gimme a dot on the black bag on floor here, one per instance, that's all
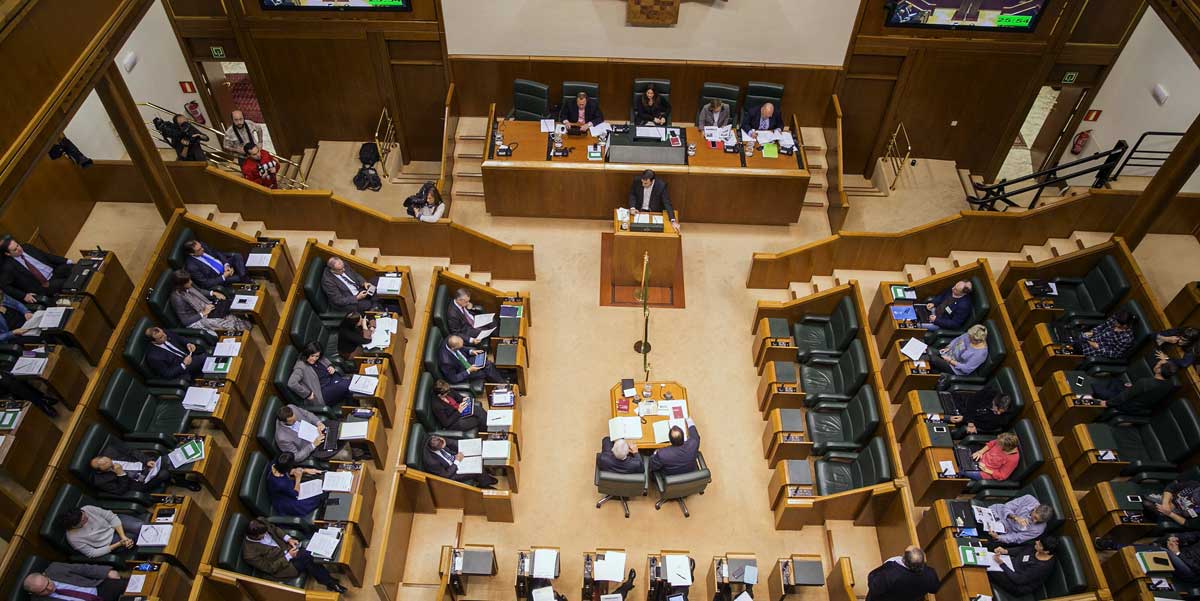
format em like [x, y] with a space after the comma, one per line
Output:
[367, 179]
[368, 154]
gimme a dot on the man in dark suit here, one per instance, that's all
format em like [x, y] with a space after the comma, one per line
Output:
[902, 578]
[75, 579]
[647, 193]
[441, 458]
[761, 117]
[346, 290]
[211, 269]
[170, 356]
[271, 551]
[112, 470]
[460, 318]
[619, 456]
[31, 275]
[680, 457]
[584, 112]
[457, 368]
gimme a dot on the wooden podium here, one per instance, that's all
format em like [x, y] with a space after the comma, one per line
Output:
[623, 253]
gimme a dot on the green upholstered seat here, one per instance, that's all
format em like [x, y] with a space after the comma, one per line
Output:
[571, 88]
[531, 100]
[662, 87]
[252, 491]
[827, 378]
[1093, 295]
[433, 342]
[70, 496]
[94, 440]
[726, 93]
[839, 471]
[836, 426]
[1162, 443]
[229, 549]
[826, 334]
[138, 413]
[437, 313]
[176, 255]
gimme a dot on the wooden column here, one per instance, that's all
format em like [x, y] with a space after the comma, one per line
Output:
[1163, 187]
[122, 110]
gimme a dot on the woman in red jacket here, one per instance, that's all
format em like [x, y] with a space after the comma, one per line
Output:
[997, 459]
[259, 166]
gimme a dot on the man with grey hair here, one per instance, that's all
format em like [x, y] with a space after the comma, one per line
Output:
[1024, 519]
[620, 456]
[346, 289]
[74, 581]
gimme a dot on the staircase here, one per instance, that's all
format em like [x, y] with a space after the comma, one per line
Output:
[299, 167]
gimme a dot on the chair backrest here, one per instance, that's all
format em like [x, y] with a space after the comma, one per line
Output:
[979, 303]
[229, 548]
[433, 343]
[31, 564]
[678, 486]
[283, 369]
[1068, 576]
[1032, 455]
[1141, 326]
[724, 92]
[265, 430]
[176, 255]
[423, 402]
[1173, 432]
[861, 415]
[618, 484]
[68, 497]
[136, 345]
[996, 351]
[252, 490]
[306, 326]
[852, 368]
[311, 282]
[571, 88]
[531, 100]
[159, 299]
[872, 465]
[94, 439]
[1006, 379]
[414, 447]
[1043, 489]
[844, 323]
[662, 87]
[125, 400]
[1106, 283]
[760, 92]
[437, 313]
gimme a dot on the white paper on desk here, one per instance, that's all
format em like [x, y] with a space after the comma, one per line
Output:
[227, 348]
[611, 597]
[662, 432]
[29, 366]
[53, 317]
[500, 417]
[178, 457]
[363, 384]
[322, 544]
[495, 449]
[744, 597]
[387, 324]
[786, 140]
[388, 284]
[651, 132]
[679, 570]
[341, 481]
[913, 349]
[546, 126]
[258, 259]
[471, 465]
[308, 432]
[713, 134]
[544, 563]
[670, 405]
[766, 136]
[201, 398]
[154, 535]
[599, 129]
[625, 427]
[546, 593]
[470, 447]
[130, 466]
[485, 333]
[1053, 288]
[483, 319]
[611, 568]
[310, 489]
[135, 584]
[750, 575]
[380, 339]
[946, 468]
[353, 430]
[244, 302]
[993, 561]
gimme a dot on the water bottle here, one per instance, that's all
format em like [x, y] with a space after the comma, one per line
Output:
[646, 391]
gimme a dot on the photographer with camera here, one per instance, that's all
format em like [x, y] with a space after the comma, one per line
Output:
[181, 135]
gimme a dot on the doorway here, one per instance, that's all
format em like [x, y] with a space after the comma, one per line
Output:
[230, 88]
[1042, 137]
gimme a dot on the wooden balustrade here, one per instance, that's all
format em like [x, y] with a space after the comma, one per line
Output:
[835, 184]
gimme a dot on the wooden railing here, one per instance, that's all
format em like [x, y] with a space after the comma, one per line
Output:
[450, 126]
[985, 231]
[117, 181]
[835, 179]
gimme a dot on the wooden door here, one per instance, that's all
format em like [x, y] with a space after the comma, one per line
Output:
[219, 90]
[1048, 146]
[864, 103]
[421, 94]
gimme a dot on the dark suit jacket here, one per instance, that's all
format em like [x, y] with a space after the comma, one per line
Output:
[609, 462]
[1027, 574]
[960, 310]
[1142, 397]
[77, 574]
[754, 113]
[267, 559]
[677, 460]
[203, 275]
[110, 482]
[437, 466]
[894, 582]
[451, 419]
[15, 278]
[660, 199]
[337, 293]
[456, 322]
[645, 114]
[164, 363]
[591, 112]
[450, 366]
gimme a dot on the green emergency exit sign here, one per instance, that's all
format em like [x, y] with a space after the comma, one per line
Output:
[1013, 20]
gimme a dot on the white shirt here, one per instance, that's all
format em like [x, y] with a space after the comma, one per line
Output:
[45, 270]
[345, 279]
[62, 586]
[646, 197]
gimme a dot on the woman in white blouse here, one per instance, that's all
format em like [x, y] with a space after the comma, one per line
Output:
[426, 205]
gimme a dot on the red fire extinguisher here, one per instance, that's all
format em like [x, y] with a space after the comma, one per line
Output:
[1081, 140]
[193, 111]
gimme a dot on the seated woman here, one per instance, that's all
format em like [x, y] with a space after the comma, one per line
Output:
[964, 354]
[426, 205]
[997, 459]
[198, 308]
[283, 487]
[316, 380]
[455, 410]
[354, 332]
[651, 109]
[13, 316]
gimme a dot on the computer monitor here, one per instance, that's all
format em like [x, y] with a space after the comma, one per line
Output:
[993, 15]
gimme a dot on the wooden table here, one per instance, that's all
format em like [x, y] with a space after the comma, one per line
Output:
[901, 374]
[245, 369]
[530, 184]
[726, 572]
[1127, 579]
[263, 314]
[658, 388]
[279, 268]
[1065, 407]
[394, 351]
[591, 587]
[349, 559]
[62, 377]
[384, 397]
[792, 479]
[376, 441]
[36, 437]
[230, 413]
[630, 247]
[655, 583]
[1184, 309]
[1027, 310]
[785, 435]
[926, 479]
[511, 328]
[212, 471]
[1081, 454]
[1046, 355]
[405, 299]
[887, 329]
[164, 583]
[779, 387]
[914, 408]
[773, 341]
[513, 354]
[85, 328]
[923, 435]
[188, 537]
[109, 285]
[1110, 512]
[789, 575]
[356, 507]
[508, 467]
[514, 431]
[941, 520]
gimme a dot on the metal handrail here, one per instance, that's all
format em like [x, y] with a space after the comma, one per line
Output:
[220, 134]
[385, 139]
[1137, 148]
[219, 157]
[1045, 178]
[893, 153]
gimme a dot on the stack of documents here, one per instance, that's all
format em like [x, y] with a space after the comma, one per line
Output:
[545, 563]
[155, 535]
[679, 570]
[29, 366]
[229, 347]
[361, 384]
[324, 543]
[135, 584]
[388, 284]
[52, 318]
[217, 365]
[988, 520]
[258, 259]
[310, 489]
[913, 349]
[201, 398]
[472, 461]
[338, 481]
[625, 427]
[495, 449]
[500, 418]
[353, 430]
[188, 452]
[8, 419]
[611, 568]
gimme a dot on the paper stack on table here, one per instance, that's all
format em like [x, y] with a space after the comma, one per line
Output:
[310, 489]
[229, 347]
[188, 452]
[546, 126]
[201, 398]
[338, 481]
[135, 584]
[363, 384]
[500, 417]
[679, 570]
[52, 318]
[625, 427]
[389, 284]
[353, 430]
[258, 259]
[600, 129]
[913, 349]
[324, 543]
[545, 563]
[495, 449]
[29, 366]
[611, 568]
[546, 593]
[155, 535]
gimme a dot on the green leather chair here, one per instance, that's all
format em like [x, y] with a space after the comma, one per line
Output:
[840, 471]
[134, 354]
[662, 87]
[677, 487]
[264, 431]
[834, 378]
[229, 549]
[252, 491]
[307, 326]
[531, 100]
[834, 426]
[1160, 443]
[72, 497]
[1093, 295]
[140, 414]
[997, 352]
[437, 313]
[571, 88]
[279, 377]
[423, 400]
[414, 445]
[620, 486]
[311, 284]
[1142, 338]
[817, 335]
[94, 439]
[159, 299]
[980, 307]
[726, 93]
[1032, 456]
[176, 255]
[761, 92]
[1068, 577]
[31, 564]
[433, 342]
[1040, 487]
[1006, 380]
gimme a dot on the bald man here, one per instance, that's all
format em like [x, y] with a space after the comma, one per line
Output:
[763, 117]
[346, 290]
[241, 132]
[902, 578]
[75, 581]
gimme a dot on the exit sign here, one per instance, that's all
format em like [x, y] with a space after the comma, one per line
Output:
[217, 51]
[1070, 76]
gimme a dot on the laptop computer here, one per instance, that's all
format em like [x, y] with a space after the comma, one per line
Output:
[923, 314]
[966, 463]
[332, 430]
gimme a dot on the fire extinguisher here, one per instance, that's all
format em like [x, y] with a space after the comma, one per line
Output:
[193, 111]
[1081, 140]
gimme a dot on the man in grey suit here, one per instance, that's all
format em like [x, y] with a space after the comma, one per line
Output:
[76, 581]
[680, 457]
[346, 290]
[287, 436]
[713, 114]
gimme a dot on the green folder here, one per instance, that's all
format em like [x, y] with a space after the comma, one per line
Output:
[770, 151]
[8, 419]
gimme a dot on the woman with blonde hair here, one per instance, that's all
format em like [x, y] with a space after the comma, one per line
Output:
[964, 354]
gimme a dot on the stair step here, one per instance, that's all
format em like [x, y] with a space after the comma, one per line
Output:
[1061, 246]
[815, 160]
[483, 277]
[345, 245]
[469, 149]
[1036, 253]
[824, 282]
[468, 187]
[471, 127]
[996, 260]
[228, 220]
[251, 228]
[939, 265]
[800, 289]
[1091, 238]
[914, 272]
[306, 162]
[457, 269]
[814, 138]
[201, 210]
[296, 239]
[816, 197]
[367, 253]
[817, 181]
[468, 169]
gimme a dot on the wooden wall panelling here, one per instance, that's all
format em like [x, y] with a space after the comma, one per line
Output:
[50, 207]
[196, 8]
[422, 10]
[865, 101]
[1106, 21]
[483, 80]
[807, 89]
[420, 90]
[619, 87]
[553, 71]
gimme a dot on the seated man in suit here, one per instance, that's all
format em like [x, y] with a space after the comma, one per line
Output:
[460, 318]
[619, 456]
[94, 531]
[950, 309]
[680, 457]
[1139, 397]
[279, 556]
[283, 480]
[457, 368]
[582, 113]
[646, 193]
[212, 268]
[76, 581]
[169, 356]
[1031, 566]
[346, 290]
[761, 118]
[1112, 339]
[713, 114]
[13, 316]
[29, 274]
[902, 578]
[118, 470]
[441, 458]
[455, 410]
[287, 436]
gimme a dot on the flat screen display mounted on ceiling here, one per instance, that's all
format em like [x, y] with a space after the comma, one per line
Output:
[988, 15]
[336, 4]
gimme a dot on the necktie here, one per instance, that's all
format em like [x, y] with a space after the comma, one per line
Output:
[173, 349]
[82, 596]
[446, 456]
[462, 359]
[467, 314]
[348, 282]
[216, 265]
[764, 123]
[36, 274]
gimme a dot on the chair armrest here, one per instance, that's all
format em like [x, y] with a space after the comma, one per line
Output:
[123, 507]
[1101, 370]
[999, 485]
[828, 407]
[815, 319]
[700, 463]
[836, 446]
[645, 477]
[991, 493]
[826, 397]
[969, 380]
[168, 388]
[824, 360]
[1117, 420]
[1155, 476]
[968, 387]
[204, 335]
[1139, 465]
[807, 356]
[978, 439]
[161, 449]
[1068, 281]
[841, 457]
[1081, 316]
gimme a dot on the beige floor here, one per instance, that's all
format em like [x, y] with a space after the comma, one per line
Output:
[927, 191]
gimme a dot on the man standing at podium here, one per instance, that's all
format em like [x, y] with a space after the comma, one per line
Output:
[648, 194]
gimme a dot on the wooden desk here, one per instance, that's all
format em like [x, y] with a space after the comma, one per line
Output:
[1184, 309]
[1109, 512]
[785, 435]
[525, 568]
[593, 588]
[28, 445]
[212, 471]
[405, 300]
[190, 531]
[356, 507]
[727, 572]
[109, 285]
[166, 583]
[349, 559]
[245, 370]
[85, 328]
[1081, 454]
[941, 520]
[508, 467]
[376, 441]
[773, 341]
[923, 435]
[1129, 581]
[914, 408]
[945, 558]
[1064, 406]
[1046, 355]
[229, 415]
[658, 390]
[890, 332]
[513, 432]
[901, 374]
[926, 479]
[384, 397]
[61, 377]
[530, 184]
[513, 354]
[779, 387]
[279, 269]
[509, 328]
[264, 314]
[789, 575]
[656, 573]
[394, 352]
[629, 249]
[1027, 310]
[792, 479]
[471, 560]
[959, 582]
